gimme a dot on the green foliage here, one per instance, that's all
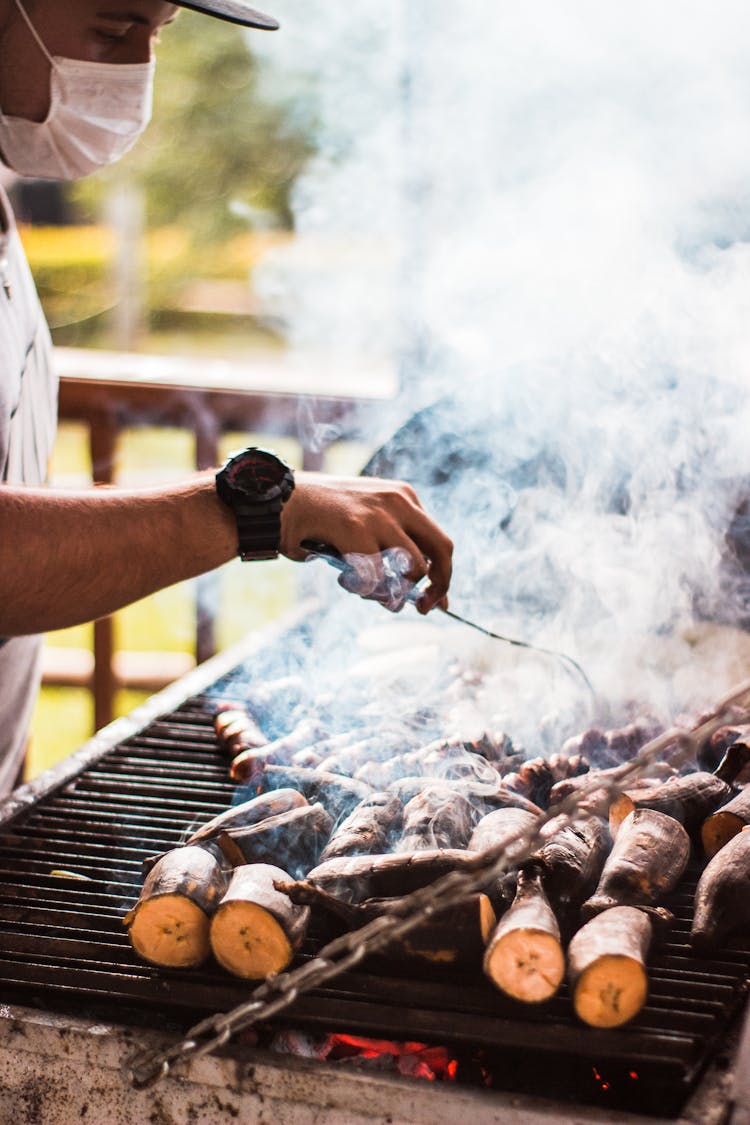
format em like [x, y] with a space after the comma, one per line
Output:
[217, 153]
[72, 267]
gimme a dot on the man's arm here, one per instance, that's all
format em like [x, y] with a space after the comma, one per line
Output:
[71, 556]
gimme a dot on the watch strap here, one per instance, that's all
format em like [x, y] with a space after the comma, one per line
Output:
[258, 530]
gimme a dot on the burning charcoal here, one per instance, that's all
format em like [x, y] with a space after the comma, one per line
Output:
[295, 839]
[369, 829]
[337, 794]
[248, 813]
[534, 779]
[256, 929]
[722, 897]
[436, 818]
[169, 924]
[524, 957]
[355, 879]
[647, 861]
[253, 761]
[607, 967]
[719, 828]
[237, 731]
[301, 1044]
[454, 936]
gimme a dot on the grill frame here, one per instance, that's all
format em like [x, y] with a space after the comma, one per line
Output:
[84, 922]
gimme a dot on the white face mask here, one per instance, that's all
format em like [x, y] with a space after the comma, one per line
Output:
[97, 113]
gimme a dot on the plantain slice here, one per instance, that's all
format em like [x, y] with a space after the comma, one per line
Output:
[607, 966]
[169, 924]
[172, 931]
[256, 929]
[524, 957]
[719, 828]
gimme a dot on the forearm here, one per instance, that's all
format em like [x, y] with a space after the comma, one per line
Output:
[68, 557]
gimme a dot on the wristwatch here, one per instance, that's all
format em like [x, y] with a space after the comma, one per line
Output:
[256, 484]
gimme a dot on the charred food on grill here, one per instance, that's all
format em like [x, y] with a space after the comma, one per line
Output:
[169, 924]
[256, 929]
[722, 897]
[607, 966]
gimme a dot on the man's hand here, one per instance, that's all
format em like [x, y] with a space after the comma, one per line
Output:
[363, 517]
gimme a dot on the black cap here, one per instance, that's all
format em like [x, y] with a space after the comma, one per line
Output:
[235, 11]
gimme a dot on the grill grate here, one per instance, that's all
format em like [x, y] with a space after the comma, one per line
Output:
[63, 943]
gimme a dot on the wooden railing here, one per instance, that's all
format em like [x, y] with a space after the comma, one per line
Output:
[110, 393]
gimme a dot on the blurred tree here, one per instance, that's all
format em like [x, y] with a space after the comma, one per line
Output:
[219, 155]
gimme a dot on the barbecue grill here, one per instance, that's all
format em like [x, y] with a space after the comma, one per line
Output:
[71, 848]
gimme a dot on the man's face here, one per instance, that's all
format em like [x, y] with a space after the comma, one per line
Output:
[110, 31]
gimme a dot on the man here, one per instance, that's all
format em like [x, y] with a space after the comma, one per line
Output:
[75, 94]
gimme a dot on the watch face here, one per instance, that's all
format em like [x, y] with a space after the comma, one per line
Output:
[258, 474]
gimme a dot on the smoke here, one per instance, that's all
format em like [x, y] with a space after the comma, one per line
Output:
[540, 214]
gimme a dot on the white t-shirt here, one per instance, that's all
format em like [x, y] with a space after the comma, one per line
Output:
[28, 419]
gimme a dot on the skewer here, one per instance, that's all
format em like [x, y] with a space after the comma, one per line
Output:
[523, 644]
[330, 555]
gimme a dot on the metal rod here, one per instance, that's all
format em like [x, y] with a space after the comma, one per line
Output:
[523, 644]
[330, 555]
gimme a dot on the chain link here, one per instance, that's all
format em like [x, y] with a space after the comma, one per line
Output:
[345, 952]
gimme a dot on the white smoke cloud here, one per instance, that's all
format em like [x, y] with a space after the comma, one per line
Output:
[544, 210]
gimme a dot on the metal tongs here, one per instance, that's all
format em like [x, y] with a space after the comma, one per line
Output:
[334, 558]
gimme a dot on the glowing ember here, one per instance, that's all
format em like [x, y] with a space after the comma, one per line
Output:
[413, 1060]
[416, 1060]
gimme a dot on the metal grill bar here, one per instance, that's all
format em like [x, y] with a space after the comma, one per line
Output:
[63, 939]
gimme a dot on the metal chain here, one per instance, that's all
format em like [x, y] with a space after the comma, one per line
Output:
[342, 954]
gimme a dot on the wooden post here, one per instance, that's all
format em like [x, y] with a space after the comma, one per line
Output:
[103, 443]
[207, 585]
[102, 401]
